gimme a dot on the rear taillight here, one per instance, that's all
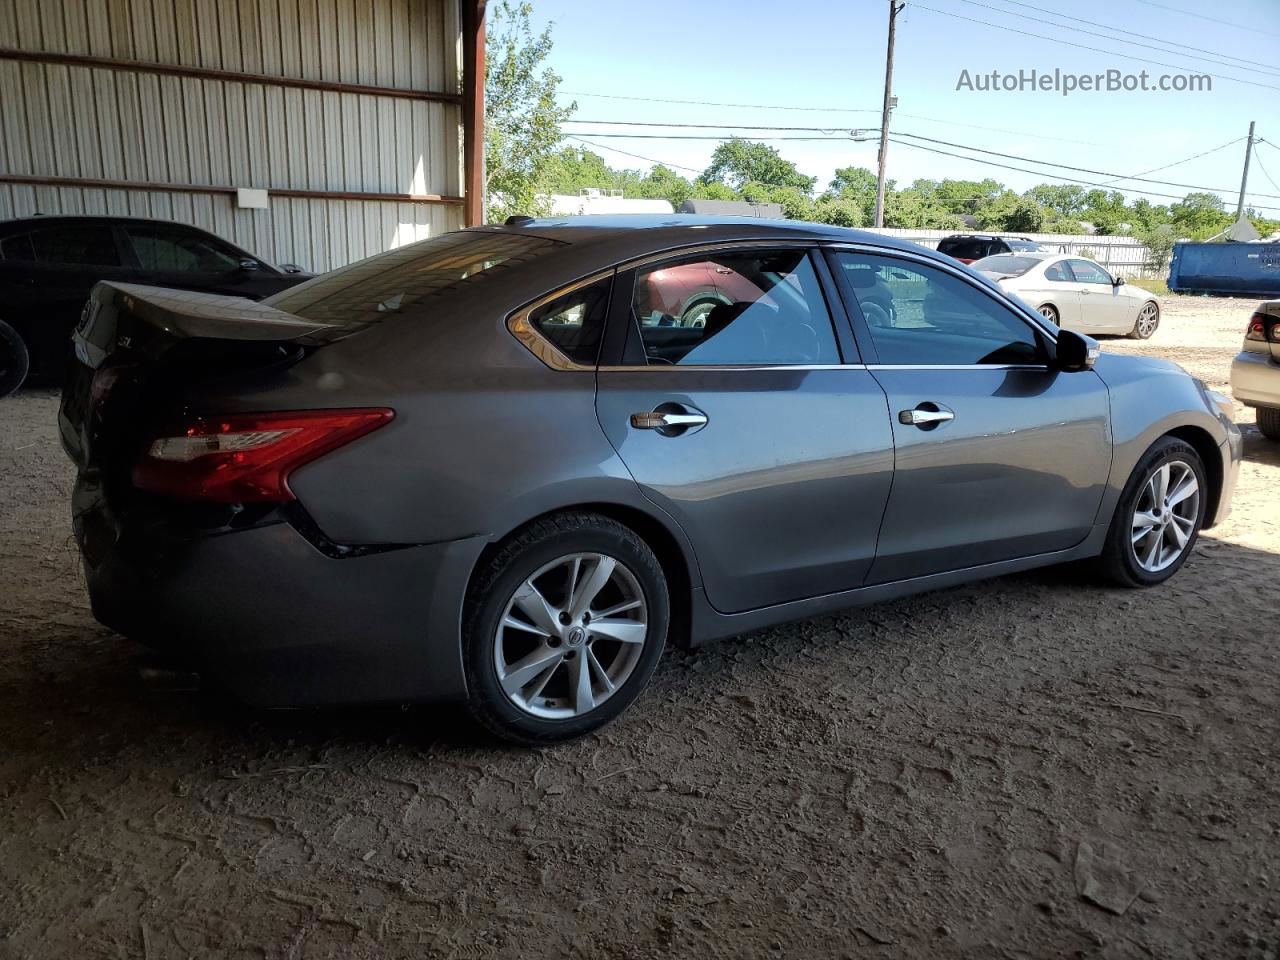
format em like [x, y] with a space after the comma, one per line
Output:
[245, 458]
[1263, 328]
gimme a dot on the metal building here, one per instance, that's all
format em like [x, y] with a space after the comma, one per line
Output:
[360, 119]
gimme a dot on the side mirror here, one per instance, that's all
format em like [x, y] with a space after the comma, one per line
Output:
[248, 264]
[1076, 352]
[1117, 282]
[291, 268]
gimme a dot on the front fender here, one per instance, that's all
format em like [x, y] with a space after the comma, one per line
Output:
[1151, 398]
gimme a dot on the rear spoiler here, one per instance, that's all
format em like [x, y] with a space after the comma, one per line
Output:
[151, 320]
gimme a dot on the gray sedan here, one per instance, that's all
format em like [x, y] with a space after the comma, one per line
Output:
[507, 465]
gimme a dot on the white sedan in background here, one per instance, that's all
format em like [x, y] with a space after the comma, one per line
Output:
[1074, 293]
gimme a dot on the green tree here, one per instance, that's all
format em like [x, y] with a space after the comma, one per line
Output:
[1010, 212]
[738, 162]
[1199, 215]
[1066, 200]
[522, 119]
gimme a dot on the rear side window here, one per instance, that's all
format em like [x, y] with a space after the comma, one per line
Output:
[403, 280]
[575, 321]
[1058, 271]
[1006, 264]
[966, 249]
[82, 245]
[165, 249]
[751, 308]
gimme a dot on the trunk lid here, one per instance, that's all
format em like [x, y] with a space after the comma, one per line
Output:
[139, 350]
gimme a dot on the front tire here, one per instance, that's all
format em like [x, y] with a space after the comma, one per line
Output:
[1159, 516]
[563, 628]
[14, 360]
[1269, 422]
[1147, 323]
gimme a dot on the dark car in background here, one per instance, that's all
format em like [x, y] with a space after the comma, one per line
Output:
[969, 247]
[469, 469]
[48, 265]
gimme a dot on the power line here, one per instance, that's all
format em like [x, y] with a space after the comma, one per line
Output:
[1039, 173]
[1064, 166]
[1178, 163]
[842, 137]
[1258, 160]
[1096, 33]
[634, 156]
[978, 160]
[711, 103]
[777, 106]
[1193, 13]
[726, 126]
[1241, 61]
[1081, 46]
[948, 143]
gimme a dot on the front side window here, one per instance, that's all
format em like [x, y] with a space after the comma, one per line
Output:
[1086, 272]
[17, 247]
[82, 245]
[171, 249]
[737, 308]
[920, 315]
[575, 321]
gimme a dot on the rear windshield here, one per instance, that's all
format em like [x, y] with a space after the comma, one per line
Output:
[392, 283]
[1006, 265]
[965, 249]
[1023, 245]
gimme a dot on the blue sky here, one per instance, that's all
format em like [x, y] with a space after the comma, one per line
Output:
[830, 54]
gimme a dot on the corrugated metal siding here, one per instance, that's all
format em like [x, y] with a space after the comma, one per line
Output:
[76, 121]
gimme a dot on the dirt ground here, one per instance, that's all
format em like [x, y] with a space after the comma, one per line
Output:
[1031, 767]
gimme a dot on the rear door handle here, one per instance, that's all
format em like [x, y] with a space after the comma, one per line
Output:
[670, 420]
[926, 415]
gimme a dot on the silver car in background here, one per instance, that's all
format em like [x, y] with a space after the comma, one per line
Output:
[1074, 293]
[501, 466]
[1255, 372]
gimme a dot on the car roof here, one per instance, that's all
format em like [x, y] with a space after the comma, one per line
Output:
[1032, 254]
[657, 230]
[39, 221]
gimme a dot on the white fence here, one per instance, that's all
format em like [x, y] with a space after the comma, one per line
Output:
[1123, 256]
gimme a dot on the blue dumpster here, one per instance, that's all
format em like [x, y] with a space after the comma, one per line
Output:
[1234, 269]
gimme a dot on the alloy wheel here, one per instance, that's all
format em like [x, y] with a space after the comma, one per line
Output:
[1148, 320]
[570, 636]
[1049, 313]
[1165, 516]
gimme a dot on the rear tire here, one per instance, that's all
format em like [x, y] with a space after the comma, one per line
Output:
[1153, 533]
[541, 664]
[1269, 422]
[1050, 313]
[14, 360]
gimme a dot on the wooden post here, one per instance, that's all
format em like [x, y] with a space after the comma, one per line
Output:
[473, 111]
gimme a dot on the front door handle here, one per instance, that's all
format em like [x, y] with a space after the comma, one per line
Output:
[658, 420]
[926, 416]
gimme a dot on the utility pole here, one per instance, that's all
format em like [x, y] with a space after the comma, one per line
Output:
[1244, 178]
[894, 9]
